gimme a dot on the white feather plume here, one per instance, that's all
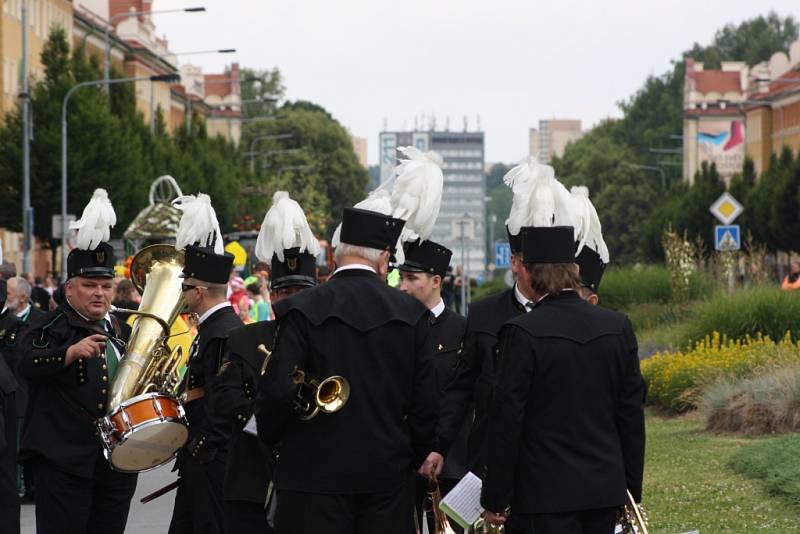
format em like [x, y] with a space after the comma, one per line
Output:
[538, 198]
[96, 221]
[417, 192]
[198, 224]
[589, 232]
[285, 226]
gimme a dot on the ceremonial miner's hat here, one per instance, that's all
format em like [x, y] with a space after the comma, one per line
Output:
[412, 196]
[92, 256]
[426, 257]
[200, 238]
[592, 252]
[548, 244]
[296, 269]
[515, 241]
[591, 268]
[287, 242]
[370, 229]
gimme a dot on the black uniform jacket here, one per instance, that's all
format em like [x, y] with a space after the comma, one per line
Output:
[377, 338]
[12, 330]
[474, 377]
[566, 431]
[447, 331]
[249, 467]
[64, 402]
[209, 432]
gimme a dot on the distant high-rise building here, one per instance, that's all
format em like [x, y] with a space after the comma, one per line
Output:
[463, 199]
[360, 148]
[553, 136]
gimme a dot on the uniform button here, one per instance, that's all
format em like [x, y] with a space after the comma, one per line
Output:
[103, 391]
[104, 366]
[100, 405]
[105, 378]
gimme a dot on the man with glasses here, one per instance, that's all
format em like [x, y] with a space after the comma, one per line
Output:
[201, 463]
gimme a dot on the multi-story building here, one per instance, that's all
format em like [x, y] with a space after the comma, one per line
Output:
[43, 16]
[360, 148]
[217, 97]
[552, 137]
[464, 196]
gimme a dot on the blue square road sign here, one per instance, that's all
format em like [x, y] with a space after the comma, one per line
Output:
[727, 237]
[502, 255]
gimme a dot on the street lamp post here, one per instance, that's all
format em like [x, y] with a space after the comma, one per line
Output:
[128, 14]
[651, 168]
[226, 80]
[27, 219]
[255, 141]
[64, 103]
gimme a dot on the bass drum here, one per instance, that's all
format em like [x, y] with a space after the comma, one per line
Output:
[144, 432]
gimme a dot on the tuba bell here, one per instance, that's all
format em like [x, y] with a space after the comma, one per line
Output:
[146, 425]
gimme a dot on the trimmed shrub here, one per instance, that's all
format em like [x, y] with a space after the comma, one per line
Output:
[763, 404]
[674, 379]
[749, 312]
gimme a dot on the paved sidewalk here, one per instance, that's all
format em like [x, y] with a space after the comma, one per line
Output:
[150, 518]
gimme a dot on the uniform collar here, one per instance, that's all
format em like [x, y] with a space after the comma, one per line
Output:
[106, 319]
[522, 299]
[438, 309]
[209, 312]
[24, 313]
[350, 266]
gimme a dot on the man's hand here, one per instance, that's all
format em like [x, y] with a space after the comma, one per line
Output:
[495, 519]
[432, 466]
[92, 346]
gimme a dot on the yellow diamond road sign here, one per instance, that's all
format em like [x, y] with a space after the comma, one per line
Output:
[726, 208]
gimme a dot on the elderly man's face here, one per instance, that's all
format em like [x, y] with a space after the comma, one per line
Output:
[91, 297]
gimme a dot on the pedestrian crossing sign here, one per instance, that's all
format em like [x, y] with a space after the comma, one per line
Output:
[727, 237]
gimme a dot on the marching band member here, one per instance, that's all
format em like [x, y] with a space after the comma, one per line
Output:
[569, 397]
[421, 277]
[9, 502]
[69, 359]
[351, 471]
[286, 241]
[201, 463]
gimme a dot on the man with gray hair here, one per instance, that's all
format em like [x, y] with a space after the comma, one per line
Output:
[353, 326]
[17, 314]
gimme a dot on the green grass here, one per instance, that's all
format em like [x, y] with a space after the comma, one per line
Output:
[765, 310]
[775, 463]
[690, 486]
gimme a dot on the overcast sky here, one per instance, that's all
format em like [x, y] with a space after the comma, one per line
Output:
[511, 62]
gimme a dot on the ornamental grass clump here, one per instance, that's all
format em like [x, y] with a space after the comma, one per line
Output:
[675, 379]
[767, 403]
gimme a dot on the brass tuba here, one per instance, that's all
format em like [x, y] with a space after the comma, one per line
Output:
[149, 365]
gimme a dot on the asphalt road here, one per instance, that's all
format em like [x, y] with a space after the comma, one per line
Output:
[150, 518]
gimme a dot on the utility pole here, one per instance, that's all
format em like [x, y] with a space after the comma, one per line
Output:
[27, 219]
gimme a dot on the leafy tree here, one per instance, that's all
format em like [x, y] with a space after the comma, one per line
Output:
[268, 90]
[495, 176]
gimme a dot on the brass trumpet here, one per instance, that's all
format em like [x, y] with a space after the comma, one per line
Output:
[314, 396]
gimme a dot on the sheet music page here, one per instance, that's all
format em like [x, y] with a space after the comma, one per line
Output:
[251, 427]
[463, 503]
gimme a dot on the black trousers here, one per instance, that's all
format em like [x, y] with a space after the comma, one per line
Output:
[9, 500]
[198, 503]
[389, 512]
[245, 517]
[69, 504]
[422, 503]
[600, 521]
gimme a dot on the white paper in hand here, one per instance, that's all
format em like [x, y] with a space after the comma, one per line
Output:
[251, 427]
[463, 503]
